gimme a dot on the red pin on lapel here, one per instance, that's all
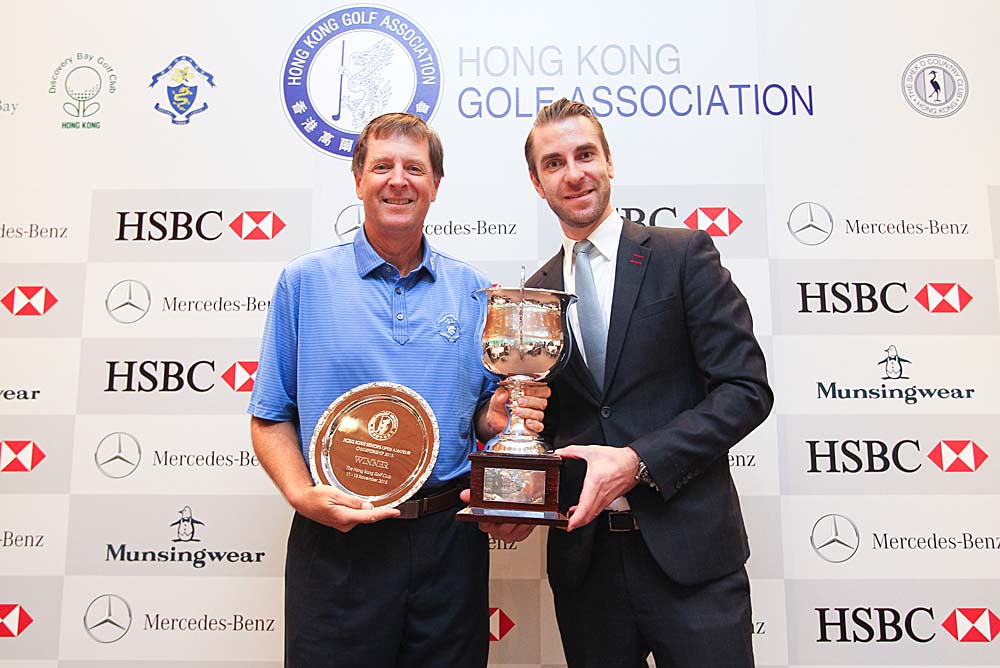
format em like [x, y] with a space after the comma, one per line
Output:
[637, 259]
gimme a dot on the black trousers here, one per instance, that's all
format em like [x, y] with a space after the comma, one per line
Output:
[626, 607]
[393, 594]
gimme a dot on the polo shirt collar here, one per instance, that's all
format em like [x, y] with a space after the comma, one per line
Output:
[368, 260]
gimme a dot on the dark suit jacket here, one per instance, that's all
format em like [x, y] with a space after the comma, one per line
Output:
[685, 380]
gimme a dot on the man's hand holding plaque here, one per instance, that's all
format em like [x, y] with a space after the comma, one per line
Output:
[328, 505]
[372, 449]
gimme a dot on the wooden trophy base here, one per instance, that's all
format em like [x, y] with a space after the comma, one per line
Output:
[514, 489]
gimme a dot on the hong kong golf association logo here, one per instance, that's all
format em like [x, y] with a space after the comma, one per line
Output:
[353, 64]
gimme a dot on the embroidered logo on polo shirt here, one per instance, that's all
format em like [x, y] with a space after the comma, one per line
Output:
[449, 328]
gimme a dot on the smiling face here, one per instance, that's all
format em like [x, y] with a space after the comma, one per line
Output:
[396, 185]
[573, 174]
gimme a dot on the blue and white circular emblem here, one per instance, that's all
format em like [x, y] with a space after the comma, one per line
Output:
[353, 64]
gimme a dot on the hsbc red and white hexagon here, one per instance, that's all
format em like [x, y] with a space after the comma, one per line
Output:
[972, 625]
[943, 297]
[718, 221]
[957, 456]
[13, 620]
[19, 456]
[29, 300]
[500, 624]
[240, 376]
[257, 225]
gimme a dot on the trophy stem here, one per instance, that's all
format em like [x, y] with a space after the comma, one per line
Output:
[516, 438]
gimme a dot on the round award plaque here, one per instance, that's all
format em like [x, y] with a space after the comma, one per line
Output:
[378, 441]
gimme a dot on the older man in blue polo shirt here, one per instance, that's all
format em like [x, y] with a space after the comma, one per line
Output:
[363, 586]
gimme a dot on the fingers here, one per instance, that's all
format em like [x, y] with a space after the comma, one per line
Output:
[340, 498]
[587, 508]
[511, 533]
[465, 496]
[508, 533]
[573, 452]
[348, 518]
[543, 391]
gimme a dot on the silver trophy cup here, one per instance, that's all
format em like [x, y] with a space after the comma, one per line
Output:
[525, 341]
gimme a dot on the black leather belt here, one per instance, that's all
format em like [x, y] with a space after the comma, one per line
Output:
[620, 521]
[435, 501]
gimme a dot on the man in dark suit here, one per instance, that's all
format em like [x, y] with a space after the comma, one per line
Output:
[666, 377]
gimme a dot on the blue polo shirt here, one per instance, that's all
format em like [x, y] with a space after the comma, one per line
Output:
[343, 316]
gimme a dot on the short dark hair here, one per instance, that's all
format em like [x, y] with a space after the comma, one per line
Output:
[408, 125]
[557, 111]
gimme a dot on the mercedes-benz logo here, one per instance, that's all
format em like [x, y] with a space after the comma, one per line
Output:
[810, 223]
[348, 222]
[118, 454]
[835, 538]
[127, 301]
[108, 618]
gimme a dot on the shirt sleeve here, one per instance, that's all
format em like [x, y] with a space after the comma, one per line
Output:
[275, 385]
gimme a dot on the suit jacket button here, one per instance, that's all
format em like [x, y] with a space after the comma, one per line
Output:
[605, 412]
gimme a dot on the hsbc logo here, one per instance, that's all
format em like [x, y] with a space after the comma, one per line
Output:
[643, 217]
[29, 300]
[943, 297]
[892, 625]
[972, 625]
[174, 376]
[718, 221]
[862, 297]
[876, 456]
[257, 225]
[875, 624]
[199, 225]
[958, 456]
[19, 456]
[500, 624]
[240, 376]
[14, 619]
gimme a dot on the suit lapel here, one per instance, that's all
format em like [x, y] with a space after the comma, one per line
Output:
[633, 258]
[552, 279]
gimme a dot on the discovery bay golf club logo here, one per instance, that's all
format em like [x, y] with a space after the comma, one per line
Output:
[83, 81]
[353, 64]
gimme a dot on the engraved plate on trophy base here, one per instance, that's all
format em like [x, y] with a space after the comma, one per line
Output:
[378, 441]
[515, 489]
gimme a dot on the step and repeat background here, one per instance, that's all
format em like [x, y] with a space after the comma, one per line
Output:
[161, 162]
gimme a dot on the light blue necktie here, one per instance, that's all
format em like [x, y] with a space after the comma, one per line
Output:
[588, 311]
